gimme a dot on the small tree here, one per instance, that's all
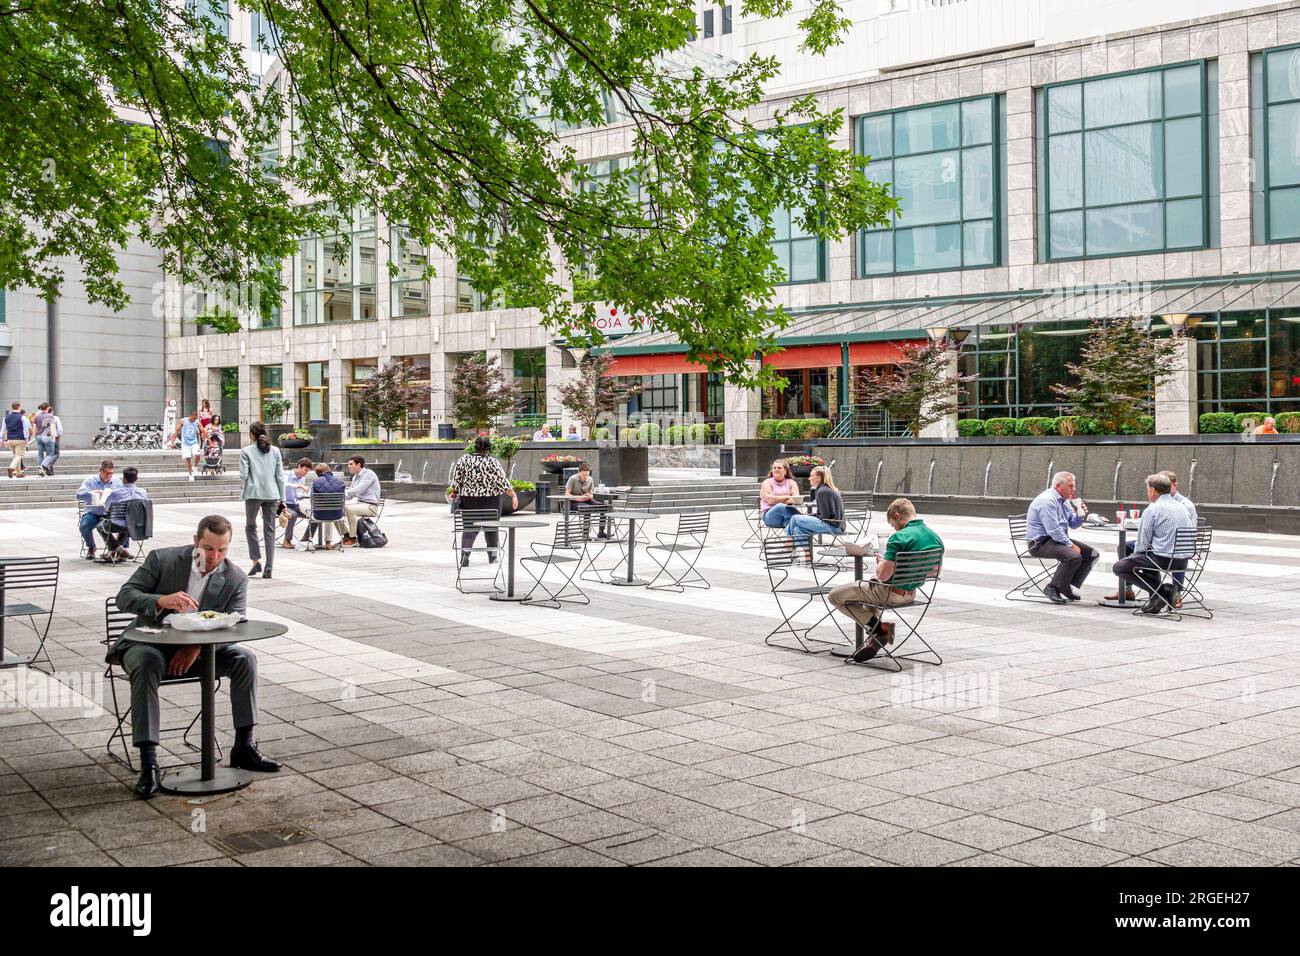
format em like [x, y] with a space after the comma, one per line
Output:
[594, 392]
[389, 393]
[480, 392]
[273, 409]
[919, 390]
[1117, 375]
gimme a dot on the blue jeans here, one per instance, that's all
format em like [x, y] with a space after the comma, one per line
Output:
[800, 527]
[45, 450]
[86, 525]
[778, 516]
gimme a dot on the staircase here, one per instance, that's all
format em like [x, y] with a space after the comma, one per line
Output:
[162, 473]
[711, 494]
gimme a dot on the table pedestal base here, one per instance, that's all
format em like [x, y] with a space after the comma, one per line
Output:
[1114, 602]
[190, 782]
[625, 583]
[502, 596]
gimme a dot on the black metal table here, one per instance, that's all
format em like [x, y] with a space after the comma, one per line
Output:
[9, 658]
[1122, 551]
[207, 778]
[858, 560]
[631, 517]
[509, 525]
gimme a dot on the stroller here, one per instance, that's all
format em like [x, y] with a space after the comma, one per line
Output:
[212, 457]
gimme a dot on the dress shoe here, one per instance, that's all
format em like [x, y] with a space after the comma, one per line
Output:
[1070, 595]
[249, 757]
[1128, 595]
[349, 542]
[287, 544]
[150, 782]
[255, 570]
[267, 574]
[1055, 596]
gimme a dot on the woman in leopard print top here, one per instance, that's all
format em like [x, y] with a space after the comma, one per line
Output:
[480, 481]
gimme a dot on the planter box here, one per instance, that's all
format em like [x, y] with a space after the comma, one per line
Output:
[620, 465]
[754, 456]
[526, 499]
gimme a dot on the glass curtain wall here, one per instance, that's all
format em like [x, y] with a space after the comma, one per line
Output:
[334, 276]
[1275, 139]
[314, 395]
[409, 292]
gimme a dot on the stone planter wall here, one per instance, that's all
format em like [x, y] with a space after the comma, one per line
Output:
[429, 463]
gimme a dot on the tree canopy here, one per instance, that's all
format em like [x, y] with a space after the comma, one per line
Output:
[141, 117]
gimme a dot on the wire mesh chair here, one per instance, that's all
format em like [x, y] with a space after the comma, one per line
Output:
[682, 548]
[758, 531]
[32, 575]
[857, 513]
[918, 572]
[465, 521]
[1036, 571]
[330, 502]
[1191, 551]
[563, 554]
[116, 523]
[616, 535]
[794, 594]
[115, 622]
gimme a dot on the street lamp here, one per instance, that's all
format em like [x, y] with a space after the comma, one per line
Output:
[577, 353]
[954, 336]
[1180, 322]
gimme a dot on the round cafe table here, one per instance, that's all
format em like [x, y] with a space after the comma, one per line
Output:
[631, 517]
[509, 525]
[1122, 551]
[207, 778]
[859, 633]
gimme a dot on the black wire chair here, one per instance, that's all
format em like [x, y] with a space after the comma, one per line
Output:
[465, 520]
[331, 502]
[27, 575]
[1191, 552]
[857, 513]
[686, 546]
[116, 523]
[918, 572]
[563, 554]
[794, 593]
[115, 622]
[1036, 570]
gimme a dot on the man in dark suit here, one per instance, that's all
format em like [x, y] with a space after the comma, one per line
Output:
[175, 580]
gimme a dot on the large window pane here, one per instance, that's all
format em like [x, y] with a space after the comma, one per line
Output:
[1184, 224]
[1121, 99]
[1066, 233]
[877, 253]
[928, 248]
[1284, 144]
[804, 264]
[977, 182]
[875, 135]
[1116, 230]
[923, 130]
[1065, 171]
[1064, 108]
[927, 188]
[1183, 165]
[976, 122]
[1183, 91]
[977, 243]
[1284, 213]
[1283, 75]
[1124, 164]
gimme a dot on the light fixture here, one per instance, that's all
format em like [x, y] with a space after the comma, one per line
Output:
[492, 329]
[286, 345]
[1177, 321]
[383, 338]
[1143, 323]
[334, 341]
[243, 348]
[435, 333]
[954, 337]
[200, 351]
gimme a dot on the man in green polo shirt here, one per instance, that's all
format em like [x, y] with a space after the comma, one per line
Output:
[864, 601]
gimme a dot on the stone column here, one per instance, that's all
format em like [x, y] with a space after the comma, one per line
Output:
[441, 366]
[742, 408]
[945, 427]
[556, 376]
[1176, 396]
[337, 383]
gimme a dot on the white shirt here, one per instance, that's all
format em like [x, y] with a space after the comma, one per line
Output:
[58, 426]
[198, 578]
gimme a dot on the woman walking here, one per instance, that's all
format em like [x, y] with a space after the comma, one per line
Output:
[262, 470]
[480, 481]
[829, 518]
[778, 488]
[205, 417]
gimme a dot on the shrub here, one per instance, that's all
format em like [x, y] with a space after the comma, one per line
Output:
[970, 427]
[1288, 422]
[677, 434]
[999, 427]
[796, 461]
[1217, 423]
[298, 433]
[229, 427]
[816, 427]
[767, 428]
[555, 430]
[1257, 418]
[1034, 426]
[601, 434]
[503, 446]
[649, 433]
[628, 433]
[721, 431]
[698, 433]
[518, 485]
[1077, 425]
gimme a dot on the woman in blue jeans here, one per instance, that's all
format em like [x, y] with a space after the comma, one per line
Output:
[774, 497]
[829, 518]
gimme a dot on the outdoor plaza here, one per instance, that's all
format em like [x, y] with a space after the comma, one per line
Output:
[424, 725]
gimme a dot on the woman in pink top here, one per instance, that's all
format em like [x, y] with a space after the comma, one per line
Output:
[778, 488]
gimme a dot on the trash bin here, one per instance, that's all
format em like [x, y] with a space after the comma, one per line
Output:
[727, 461]
[446, 430]
[568, 473]
[542, 504]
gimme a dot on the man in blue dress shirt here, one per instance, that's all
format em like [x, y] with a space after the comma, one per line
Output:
[1047, 532]
[1157, 547]
[91, 494]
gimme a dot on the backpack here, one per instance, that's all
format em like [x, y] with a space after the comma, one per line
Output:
[369, 535]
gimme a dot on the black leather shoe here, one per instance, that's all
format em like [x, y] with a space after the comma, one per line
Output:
[266, 573]
[255, 570]
[149, 784]
[1070, 595]
[250, 758]
[1055, 596]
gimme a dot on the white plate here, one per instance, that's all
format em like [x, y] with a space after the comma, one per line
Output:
[195, 621]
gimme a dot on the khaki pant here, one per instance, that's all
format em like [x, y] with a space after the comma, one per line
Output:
[304, 505]
[19, 449]
[356, 510]
[863, 600]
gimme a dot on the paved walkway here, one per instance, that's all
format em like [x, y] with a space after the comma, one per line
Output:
[422, 726]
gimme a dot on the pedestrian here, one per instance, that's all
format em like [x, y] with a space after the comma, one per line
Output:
[17, 431]
[205, 416]
[189, 432]
[261, 468]
[58, 442]
[43, 430]
[480, 481]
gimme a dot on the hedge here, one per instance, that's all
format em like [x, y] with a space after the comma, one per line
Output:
[720, 430]
[1217, 423]
[1288, 422]
[1146, 425]
[970, 427]
[999, 427]
[1077, 425]
[1034, 426]
[1257, 417]
[601, 434]
[698, 433]
[792, 429]
[649, 433]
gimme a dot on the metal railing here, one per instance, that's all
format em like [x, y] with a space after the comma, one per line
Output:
[867, 421]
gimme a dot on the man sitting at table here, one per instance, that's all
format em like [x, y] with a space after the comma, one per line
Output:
[1156, 547]
[1047, 532]
[362, 497]
[865, 601]
[91, 495]
[296, 496]
[580, 491]
[193, 577]
[114, 526]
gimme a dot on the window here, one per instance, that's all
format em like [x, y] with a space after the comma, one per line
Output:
[314, 396]
[357, 417]
[214, 11]
[1248, 361]
[261, 36]
[944, 162]
[419, 413]
[708, 24]
[1016, 367]
[1126, 163]
[264, 311]
[726, 18]
[658, 395]
[530, 376]
[1275, 138]
[270, 386]
[409, 292]
[334, 276]
[599, 175]
[2, 306]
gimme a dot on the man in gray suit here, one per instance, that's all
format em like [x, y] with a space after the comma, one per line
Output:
[175, 580]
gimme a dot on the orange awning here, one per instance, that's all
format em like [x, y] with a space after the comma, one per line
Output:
[669, 363]
[805, 356]
[878, 353]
